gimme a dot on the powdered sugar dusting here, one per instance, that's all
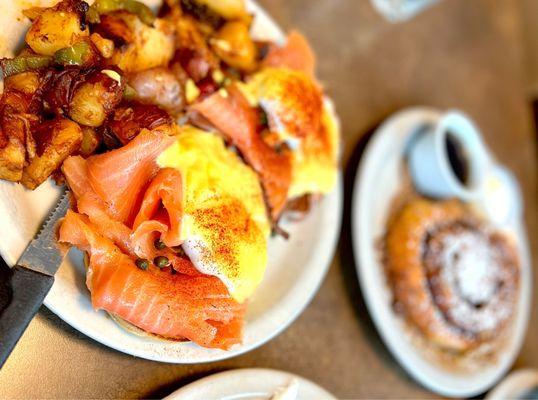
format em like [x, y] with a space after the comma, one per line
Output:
[470, 265]
[474, 274]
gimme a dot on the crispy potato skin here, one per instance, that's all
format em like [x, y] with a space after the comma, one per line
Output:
[128, 120]
[114, 28]
[56, 28]
[56, 140]
[16, 140]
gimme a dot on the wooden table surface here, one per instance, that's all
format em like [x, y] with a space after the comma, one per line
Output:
[460, 53]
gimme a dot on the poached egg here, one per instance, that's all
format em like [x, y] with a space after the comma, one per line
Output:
[225, 226]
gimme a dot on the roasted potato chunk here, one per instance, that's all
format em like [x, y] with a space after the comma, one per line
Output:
[55, 140]
[95, 99]
[26, 82]
[233, 45]
[151, 47]
[12, 160]
[57, 27]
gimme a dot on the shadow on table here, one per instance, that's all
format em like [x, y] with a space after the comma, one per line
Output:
[349, 267]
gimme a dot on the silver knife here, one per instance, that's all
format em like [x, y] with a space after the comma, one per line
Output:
[24, 287]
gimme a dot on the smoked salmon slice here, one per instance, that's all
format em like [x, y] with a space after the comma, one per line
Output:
[233, 116]
[295, 54]
[119, 177]
[75, 170]
[165, 194]
[165, 189]
[178, 306]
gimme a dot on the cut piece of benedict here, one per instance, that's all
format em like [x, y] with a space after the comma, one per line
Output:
[225, 225]
[301, 118]
[295, 149]
[282, 125]
[291, 99]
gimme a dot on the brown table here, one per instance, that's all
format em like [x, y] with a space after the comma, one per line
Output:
[460, 53]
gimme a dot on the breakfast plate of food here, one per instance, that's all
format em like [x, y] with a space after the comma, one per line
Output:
[201, 158]
[252, 383]
[441, 251]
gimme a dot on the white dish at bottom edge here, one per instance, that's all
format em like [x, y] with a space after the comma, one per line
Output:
[250, 384]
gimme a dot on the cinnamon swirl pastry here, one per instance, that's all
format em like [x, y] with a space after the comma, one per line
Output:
[452, 277]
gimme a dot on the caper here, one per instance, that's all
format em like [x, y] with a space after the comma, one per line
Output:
[142, 263]
[263, 121]
[159, 245]
[161, 261]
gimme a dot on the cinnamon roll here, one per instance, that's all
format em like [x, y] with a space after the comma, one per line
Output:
[452, 276]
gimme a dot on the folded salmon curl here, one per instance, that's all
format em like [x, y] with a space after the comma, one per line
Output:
[136, 218]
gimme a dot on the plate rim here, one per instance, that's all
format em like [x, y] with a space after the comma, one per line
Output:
[359, 243]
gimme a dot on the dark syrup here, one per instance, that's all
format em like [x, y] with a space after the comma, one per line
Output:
[457, 158]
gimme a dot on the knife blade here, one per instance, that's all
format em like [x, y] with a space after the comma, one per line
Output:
[42, 254]
[24, 287]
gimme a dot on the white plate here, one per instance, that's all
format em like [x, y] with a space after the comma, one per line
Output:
[295, 270]
[377, 181]
[249, 384]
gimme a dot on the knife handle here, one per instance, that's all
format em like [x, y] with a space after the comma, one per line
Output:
[22, 292]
